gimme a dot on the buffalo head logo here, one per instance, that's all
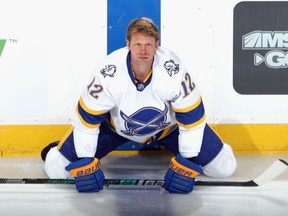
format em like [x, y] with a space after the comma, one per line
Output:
[171, 67]
[109, 70]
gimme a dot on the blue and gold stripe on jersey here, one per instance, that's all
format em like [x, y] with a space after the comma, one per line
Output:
[192, 116]
[89, 118]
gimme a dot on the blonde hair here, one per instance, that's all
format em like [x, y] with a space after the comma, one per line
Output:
[142, 25]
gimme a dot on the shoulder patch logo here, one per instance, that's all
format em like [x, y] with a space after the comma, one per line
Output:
[171, 67]
[109, 70]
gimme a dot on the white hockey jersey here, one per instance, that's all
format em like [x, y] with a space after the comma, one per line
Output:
[139, 110]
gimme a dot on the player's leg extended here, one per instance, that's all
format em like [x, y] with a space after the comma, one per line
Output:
[64, 153]
[221, 160]
[216, 158]
[55, 164]
[53, 155]
[223, 165]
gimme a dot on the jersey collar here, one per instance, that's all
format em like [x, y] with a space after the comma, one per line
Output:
[140, 86]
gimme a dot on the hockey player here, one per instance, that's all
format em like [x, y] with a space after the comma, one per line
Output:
[142, 93]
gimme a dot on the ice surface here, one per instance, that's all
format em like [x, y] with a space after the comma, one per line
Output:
[269, 199]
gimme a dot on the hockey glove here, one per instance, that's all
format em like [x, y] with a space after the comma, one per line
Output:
[88, 175]
[180, 177]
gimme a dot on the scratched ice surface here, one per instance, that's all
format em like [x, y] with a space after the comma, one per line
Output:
[269, 199]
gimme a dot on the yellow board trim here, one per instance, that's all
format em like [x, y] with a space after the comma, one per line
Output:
[255, 138]
[29, 140]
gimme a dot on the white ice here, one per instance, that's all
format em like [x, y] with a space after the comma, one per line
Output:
[42, 199]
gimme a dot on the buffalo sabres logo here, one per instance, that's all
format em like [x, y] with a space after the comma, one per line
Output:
[109, 70]
[171, 67]
[145, 121]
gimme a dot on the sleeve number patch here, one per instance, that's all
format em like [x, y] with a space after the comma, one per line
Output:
[94, 89]
[187, 85]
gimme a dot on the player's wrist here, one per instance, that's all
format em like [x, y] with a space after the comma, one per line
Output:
[88, 175]
[83, 167]
[185, 167]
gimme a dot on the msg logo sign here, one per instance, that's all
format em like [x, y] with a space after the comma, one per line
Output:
[2, 45]
[260, 48]
[273, 41]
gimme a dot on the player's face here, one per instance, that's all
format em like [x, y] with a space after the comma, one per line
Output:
[142, 47]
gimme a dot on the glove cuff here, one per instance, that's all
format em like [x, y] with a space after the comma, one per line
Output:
[84, 167]
[184, 167]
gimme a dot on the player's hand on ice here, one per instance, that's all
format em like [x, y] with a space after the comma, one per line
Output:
[180, 177]
[88, 175]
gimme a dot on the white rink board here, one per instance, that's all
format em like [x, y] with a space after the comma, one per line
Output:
[52, 46]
